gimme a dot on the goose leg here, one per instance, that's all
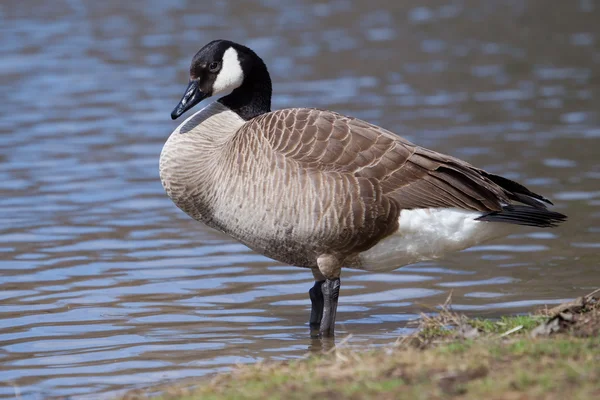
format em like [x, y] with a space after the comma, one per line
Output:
[316, 298]
[330, 268]
[331, 292]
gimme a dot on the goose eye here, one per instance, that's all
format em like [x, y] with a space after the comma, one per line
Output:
[213, 66]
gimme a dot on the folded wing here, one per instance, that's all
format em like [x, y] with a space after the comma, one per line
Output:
[413, 176]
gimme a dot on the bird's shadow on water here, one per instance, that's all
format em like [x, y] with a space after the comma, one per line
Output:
[319, 345]
[322, 345]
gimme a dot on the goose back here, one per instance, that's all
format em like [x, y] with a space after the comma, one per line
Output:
[413, 176]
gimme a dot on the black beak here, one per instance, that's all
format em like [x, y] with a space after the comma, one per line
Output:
[193, 95]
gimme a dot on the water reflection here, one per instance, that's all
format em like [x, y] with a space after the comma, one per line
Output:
[104, 285]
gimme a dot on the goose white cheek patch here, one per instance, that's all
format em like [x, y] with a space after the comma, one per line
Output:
[231, 75]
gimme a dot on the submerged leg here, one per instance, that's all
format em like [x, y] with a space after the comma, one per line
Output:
[331, 292]
[316, 298]
[330, 267]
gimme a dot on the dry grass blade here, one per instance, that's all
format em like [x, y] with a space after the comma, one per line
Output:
[511, 331]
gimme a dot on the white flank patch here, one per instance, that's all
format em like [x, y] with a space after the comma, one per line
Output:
[231, 75]
[430, 233]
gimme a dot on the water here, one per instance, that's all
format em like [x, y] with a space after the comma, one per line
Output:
[105, 285]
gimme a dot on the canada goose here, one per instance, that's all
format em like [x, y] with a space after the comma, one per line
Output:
[320, 190]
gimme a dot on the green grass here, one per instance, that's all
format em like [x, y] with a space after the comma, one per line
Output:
[504, 324]
[549, 368]
[435, 332]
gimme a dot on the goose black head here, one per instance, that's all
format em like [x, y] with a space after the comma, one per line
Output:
[223, 66]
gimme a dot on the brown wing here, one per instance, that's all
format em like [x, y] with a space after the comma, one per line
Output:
[413, 176]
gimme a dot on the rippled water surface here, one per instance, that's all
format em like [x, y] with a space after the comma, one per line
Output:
[105, 285]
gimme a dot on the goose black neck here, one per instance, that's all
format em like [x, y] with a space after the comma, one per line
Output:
[253, 98]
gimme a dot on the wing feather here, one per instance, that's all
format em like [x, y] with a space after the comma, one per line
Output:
[414, 177]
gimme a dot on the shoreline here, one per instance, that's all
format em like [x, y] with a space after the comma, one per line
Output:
[548, 354]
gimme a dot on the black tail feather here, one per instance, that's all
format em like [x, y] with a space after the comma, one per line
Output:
[525, 215]
[518, 192]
